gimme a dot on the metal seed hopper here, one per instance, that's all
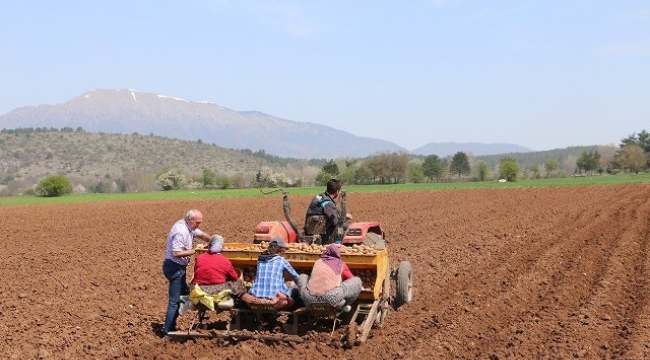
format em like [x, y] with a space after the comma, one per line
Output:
[365, 254]
[369, 310]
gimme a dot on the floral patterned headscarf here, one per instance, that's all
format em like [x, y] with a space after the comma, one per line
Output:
[332, 257]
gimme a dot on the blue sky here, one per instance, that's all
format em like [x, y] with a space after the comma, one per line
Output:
[541, 74]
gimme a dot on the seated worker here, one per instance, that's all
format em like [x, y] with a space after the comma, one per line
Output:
[331, 281]
[324, 206]
[269, 286]
[214, 272]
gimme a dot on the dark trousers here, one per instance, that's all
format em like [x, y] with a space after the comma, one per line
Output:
[176, 275]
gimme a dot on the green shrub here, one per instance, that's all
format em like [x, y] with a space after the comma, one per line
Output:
[52, 186]
[482, 171]
[509, 169]
[323, 177]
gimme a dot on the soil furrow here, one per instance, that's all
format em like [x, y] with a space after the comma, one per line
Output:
[548, 273]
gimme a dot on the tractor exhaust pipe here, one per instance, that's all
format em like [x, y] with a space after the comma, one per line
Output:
[286, 208]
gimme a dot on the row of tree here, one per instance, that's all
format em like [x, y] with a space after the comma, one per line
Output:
[632, 156]
[398, 167]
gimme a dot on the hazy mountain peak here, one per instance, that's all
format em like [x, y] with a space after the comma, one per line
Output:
[130, 111]
[478, 149]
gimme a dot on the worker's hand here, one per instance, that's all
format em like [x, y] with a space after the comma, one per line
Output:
[348, 217]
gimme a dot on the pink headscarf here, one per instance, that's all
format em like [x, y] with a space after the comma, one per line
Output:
[332, 257]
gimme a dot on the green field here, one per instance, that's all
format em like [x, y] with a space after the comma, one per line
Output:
[212, 194]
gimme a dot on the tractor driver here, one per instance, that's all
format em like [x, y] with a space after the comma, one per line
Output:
[325, 205]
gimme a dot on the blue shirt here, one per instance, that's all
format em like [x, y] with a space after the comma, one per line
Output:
[269, 279]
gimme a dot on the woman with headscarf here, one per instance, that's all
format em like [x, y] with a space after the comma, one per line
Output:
[214, 272]
[331, 281]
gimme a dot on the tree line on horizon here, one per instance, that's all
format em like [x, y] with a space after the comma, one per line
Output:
[632, 155]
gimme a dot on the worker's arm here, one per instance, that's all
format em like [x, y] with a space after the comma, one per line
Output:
[345, 272]
[201, 235]
[183, 253]
[292, 272]
[178, 247]
[231, 273]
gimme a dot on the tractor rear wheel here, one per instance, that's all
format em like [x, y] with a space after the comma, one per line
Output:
[404, 291]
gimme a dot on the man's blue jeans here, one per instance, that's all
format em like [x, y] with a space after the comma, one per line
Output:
[176, 274]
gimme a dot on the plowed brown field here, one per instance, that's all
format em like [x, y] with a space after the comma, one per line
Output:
[551, 273]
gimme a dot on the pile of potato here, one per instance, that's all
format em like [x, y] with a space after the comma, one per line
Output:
[312, 249]
[248, 276]
[368, 278]
[359, 249]
[251, 247]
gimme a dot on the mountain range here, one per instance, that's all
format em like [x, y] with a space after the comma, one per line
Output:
[128, 111]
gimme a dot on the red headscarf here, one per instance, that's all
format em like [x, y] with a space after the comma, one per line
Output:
[332, 257]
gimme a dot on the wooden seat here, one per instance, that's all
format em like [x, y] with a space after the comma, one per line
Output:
[262, 308]
[322, 309]
[266, 309]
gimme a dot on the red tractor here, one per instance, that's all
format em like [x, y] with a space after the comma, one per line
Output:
[367, 232]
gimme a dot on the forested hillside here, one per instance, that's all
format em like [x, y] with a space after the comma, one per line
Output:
[89, 158]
